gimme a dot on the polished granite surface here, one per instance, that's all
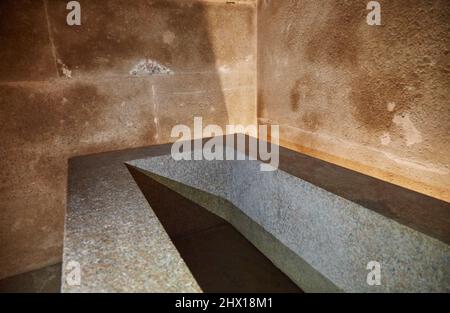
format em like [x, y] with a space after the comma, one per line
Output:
[122, 246]
[111, 231]
[220, 258]
[335, 236]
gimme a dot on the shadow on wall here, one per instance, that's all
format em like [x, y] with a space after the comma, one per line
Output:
[123, 37]
[71, 90]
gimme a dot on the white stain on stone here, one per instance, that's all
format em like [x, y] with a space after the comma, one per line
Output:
[391, 106]
[417, 165]
[64, 69]
[385, 139]
[168, 37]
[224, 69]
[147, 67]
[333, 141]
[410, 132]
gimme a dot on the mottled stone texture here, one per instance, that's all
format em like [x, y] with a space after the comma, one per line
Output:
[334, 236]
[113, 234]
[68, 91]
[26, 52]
[374, 99]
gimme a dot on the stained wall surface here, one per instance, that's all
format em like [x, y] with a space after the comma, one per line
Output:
[75, 90]
[371, 98]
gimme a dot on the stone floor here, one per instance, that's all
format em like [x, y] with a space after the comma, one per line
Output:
[45, 280]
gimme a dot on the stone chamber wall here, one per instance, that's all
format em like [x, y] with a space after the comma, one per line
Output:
[75, 90]
[374, 99]
[370, 98]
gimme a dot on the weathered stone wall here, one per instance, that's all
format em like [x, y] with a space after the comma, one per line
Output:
[370, 98]
[74, 90]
